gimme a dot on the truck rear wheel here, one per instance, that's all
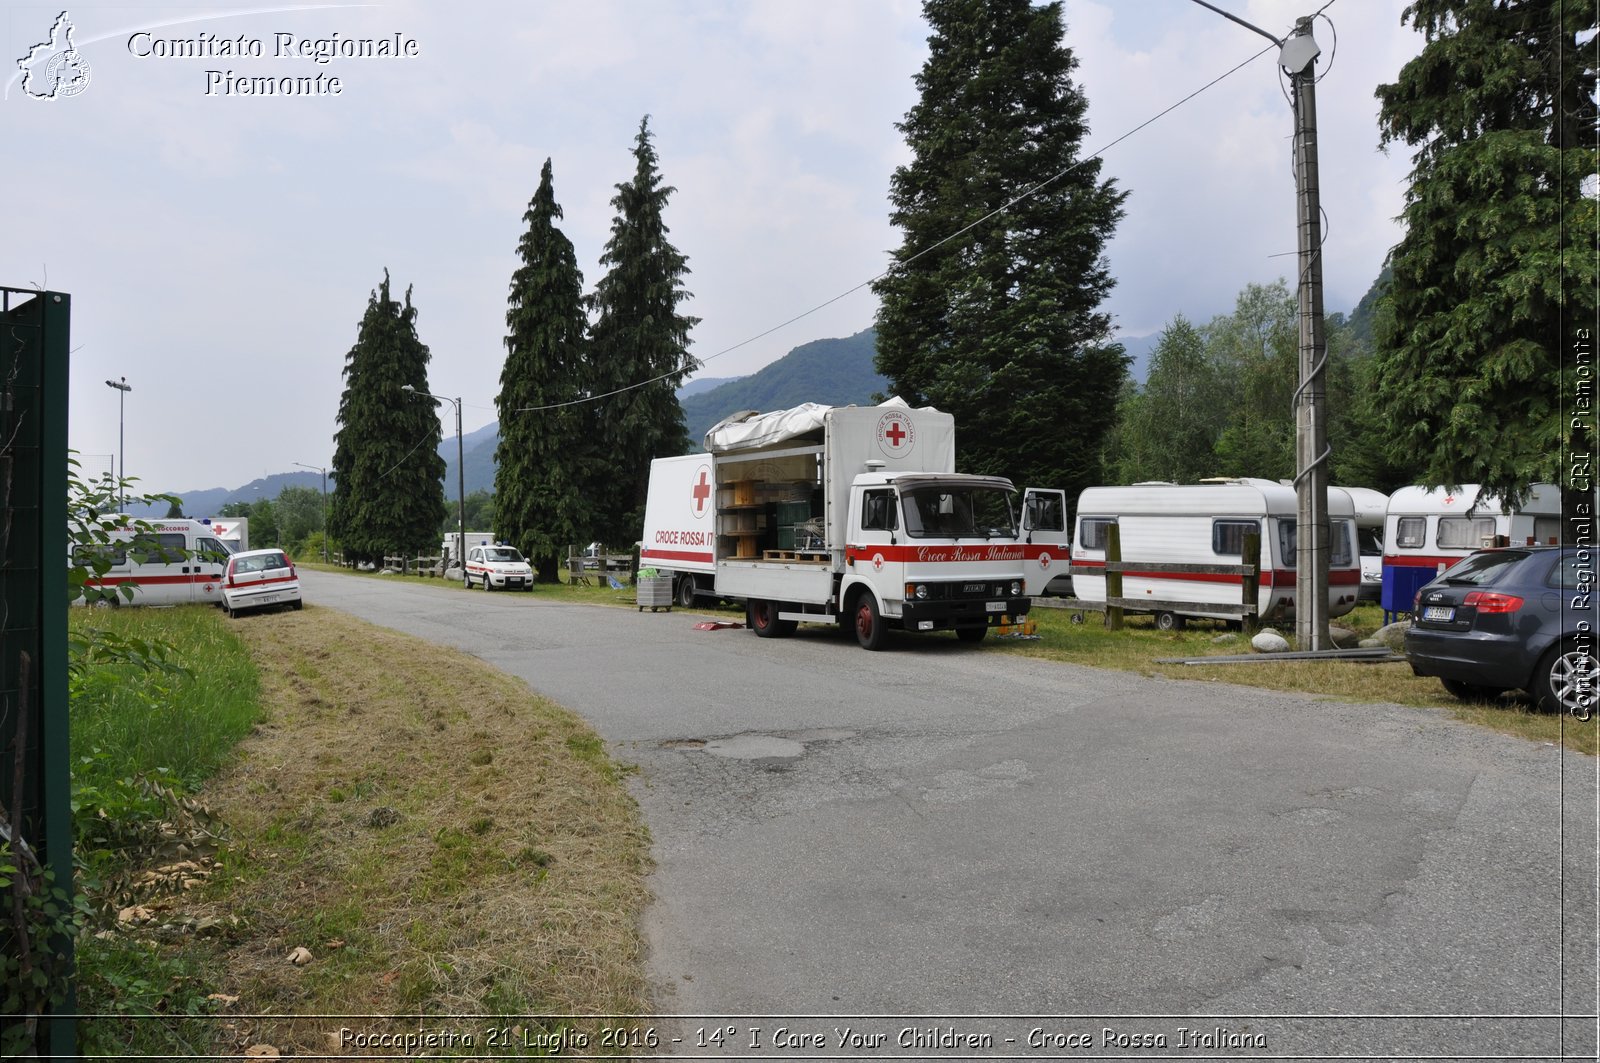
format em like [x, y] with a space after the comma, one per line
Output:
[685, 593]
[762, 617]
[868, 622]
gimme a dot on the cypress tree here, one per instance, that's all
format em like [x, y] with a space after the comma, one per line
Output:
[546, 458]
[388, 495]
[1500, 105]
[1000, 325]
[639, 338]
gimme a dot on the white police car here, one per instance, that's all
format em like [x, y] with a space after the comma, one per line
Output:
[498, 567]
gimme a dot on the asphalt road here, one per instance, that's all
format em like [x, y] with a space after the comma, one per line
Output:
[942, 830]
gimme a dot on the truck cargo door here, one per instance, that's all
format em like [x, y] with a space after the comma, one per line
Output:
[1046, 542]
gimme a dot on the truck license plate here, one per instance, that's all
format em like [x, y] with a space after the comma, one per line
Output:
[995, 607]
[1442, 613]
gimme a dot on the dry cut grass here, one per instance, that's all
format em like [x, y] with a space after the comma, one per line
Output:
[440, 840]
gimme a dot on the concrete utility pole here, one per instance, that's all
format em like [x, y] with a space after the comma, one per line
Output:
[1297, 56]
[1311, 399]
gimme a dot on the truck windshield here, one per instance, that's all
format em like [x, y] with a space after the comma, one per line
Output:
[946, 511]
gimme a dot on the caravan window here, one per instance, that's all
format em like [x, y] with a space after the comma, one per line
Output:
[1465, 533]
[1338, 546]
[1547, 530]
[1092, 532]
[1410, 532]
[1227, 536]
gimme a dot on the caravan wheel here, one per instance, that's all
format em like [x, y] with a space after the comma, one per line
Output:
[1169, 622]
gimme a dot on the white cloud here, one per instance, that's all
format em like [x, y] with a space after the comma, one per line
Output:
[208, 241]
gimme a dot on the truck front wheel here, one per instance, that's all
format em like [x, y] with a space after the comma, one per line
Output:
[868, 622]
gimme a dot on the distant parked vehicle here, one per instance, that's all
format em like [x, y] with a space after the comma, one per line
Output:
[1509, 618]
[260, 579]
[164, 562]
[498, 567]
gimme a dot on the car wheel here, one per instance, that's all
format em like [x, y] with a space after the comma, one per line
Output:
[297, 605]
[1166, 621]
[1565, 680]
[487, 585]
[868, 622]
[1472, 691]
[971, 634]
[685, 595]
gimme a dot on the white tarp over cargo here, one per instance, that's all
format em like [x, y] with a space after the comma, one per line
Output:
[750, 430]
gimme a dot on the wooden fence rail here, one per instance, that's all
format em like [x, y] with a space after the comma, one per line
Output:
[1114, 567]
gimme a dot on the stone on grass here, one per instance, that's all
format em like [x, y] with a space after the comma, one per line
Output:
[1269, 641]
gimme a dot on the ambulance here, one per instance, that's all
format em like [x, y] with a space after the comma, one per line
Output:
[167, 562]
[852, 516]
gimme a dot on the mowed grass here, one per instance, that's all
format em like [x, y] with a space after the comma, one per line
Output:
[438, 838]
[440, 841]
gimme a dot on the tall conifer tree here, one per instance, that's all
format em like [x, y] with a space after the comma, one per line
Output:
[547, 458]
[639, 336]
[1001, 325]
[388, 495]
[1496, 272]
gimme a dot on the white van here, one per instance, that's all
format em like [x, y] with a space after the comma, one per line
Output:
[173, 562]
[1427, 531]
[1205, 524]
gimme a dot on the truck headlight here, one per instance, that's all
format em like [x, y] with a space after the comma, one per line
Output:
[1016, 588]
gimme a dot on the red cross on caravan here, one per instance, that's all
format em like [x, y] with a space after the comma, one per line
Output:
[1449, 500]
[702, 491]
[895, 433]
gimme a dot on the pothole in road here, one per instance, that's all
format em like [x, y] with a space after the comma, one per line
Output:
[755, 747]
[684, 743]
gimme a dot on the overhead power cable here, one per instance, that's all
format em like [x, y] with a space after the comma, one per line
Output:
[1028, 193]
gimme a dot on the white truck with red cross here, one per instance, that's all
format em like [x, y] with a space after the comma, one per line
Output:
[850, 515]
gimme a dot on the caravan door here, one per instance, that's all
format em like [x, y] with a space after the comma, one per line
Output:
[1044, 531]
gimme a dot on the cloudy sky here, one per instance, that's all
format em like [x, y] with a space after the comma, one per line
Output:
[220, 248]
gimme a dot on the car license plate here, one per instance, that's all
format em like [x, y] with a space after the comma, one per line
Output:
[1442, 613]
[267, 598]
[995, 607]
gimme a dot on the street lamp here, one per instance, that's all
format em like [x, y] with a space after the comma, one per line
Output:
[123, 387]
[461, 481]
[1296, 55]
[324, 472]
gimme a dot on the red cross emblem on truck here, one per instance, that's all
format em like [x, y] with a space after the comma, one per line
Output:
[896, 434]
[702, 491]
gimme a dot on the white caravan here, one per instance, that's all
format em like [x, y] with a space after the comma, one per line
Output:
[1427, 531]
[1205, 524]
